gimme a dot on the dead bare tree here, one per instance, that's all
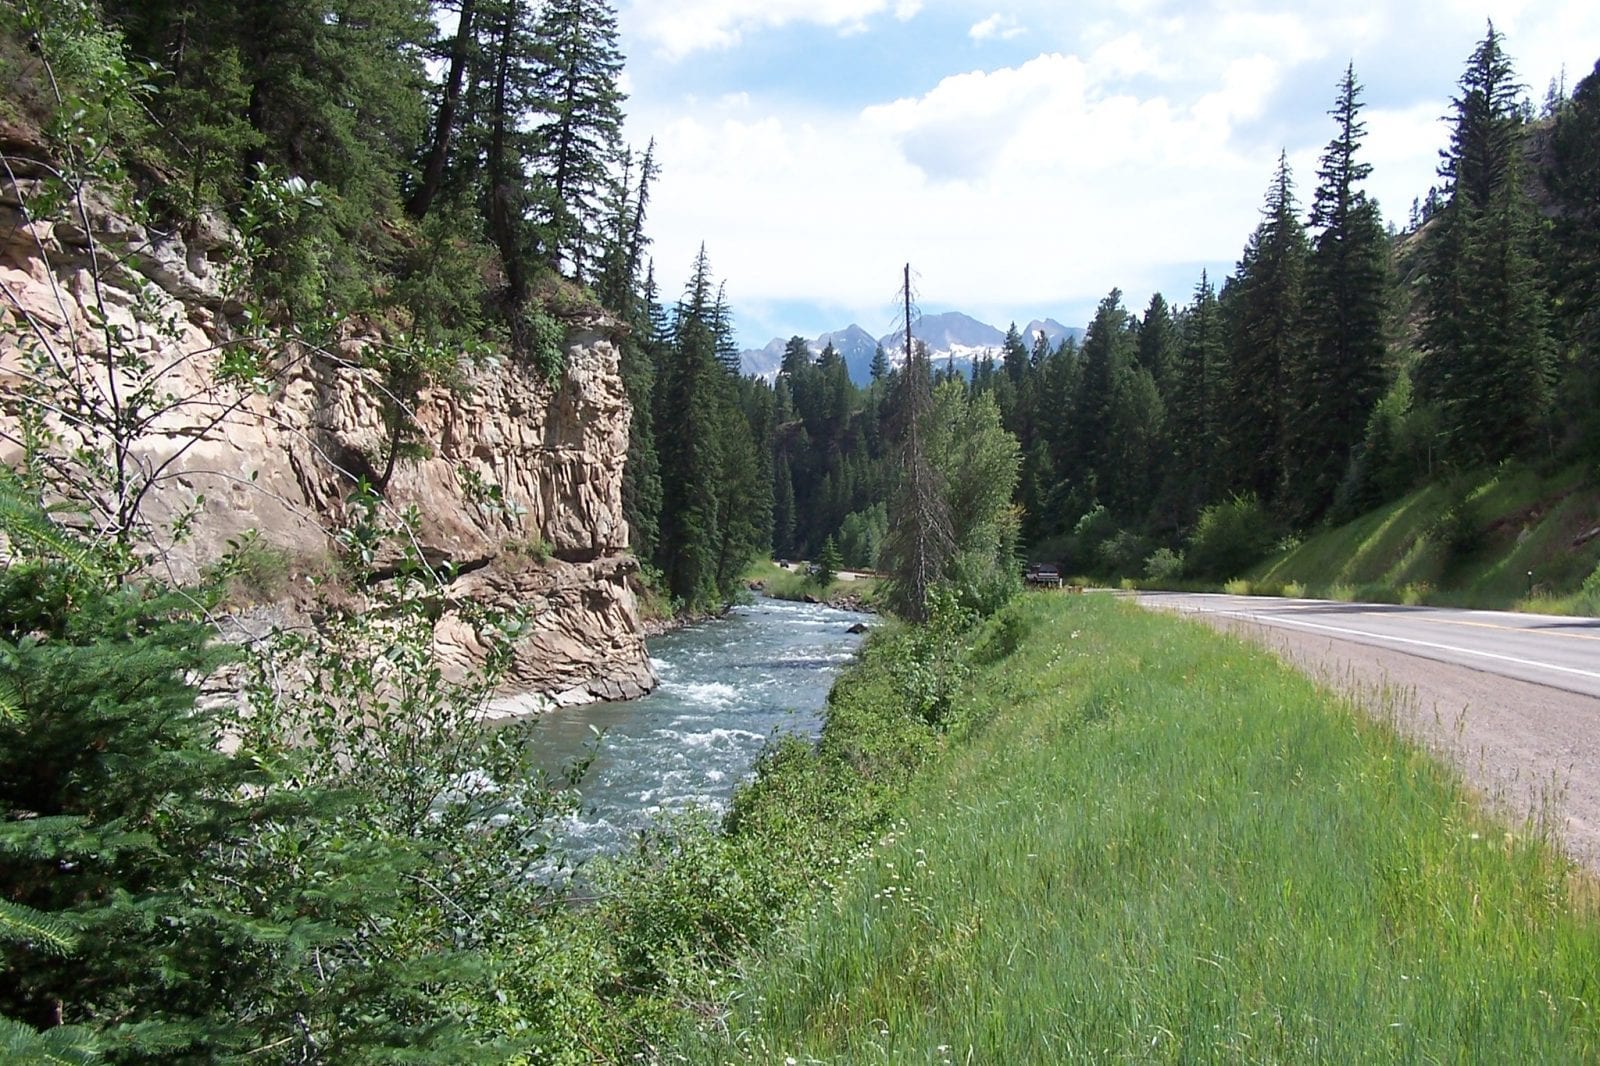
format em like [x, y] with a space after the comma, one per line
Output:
[920, 541]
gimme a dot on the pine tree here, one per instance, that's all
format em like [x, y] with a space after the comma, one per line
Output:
[463, 45]
[1015, 355]
[1107, 348]
[580, 137]
[1573, 177]
[880, 364]
[1487, 357]
[1192, 413]
[1264, 338]
[1341, 373]
[829, 563]
[717, 486]
[1158, 336]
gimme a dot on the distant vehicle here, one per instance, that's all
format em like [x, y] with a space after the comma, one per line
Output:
[1044, 574]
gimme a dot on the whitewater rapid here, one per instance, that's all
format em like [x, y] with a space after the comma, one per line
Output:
[728, 686]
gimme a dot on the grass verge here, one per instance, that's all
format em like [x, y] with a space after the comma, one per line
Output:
[1164, 845]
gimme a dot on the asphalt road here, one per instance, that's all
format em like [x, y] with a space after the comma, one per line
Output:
[1559, 652]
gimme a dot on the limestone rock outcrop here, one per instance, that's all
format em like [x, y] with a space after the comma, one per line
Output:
[521, 491]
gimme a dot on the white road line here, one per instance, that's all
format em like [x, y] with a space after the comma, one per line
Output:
[1277, 621]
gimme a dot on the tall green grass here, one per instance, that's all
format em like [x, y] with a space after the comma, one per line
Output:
[1166, 846]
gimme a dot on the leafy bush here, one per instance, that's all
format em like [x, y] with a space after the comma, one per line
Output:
[1230, 538]
[1122, 552]
[1164, 565]
[862, 535]
[930, 662]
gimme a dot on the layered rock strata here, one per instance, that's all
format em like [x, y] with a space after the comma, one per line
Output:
[521, 492]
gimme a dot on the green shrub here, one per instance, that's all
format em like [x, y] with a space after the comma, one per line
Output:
[1122, 552]
[1164, 565]
[1230, 537]
[1081, 551]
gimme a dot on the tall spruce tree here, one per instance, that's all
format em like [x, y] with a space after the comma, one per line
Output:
[716, 486]
[1573, 177]
[580, 137]
[1341, 372]
[1107, 349]
[1264, 338]
[1192, 413]
[1487, 351]
[1158, 337]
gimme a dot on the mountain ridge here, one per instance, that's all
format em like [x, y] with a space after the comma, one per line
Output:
[951, 336]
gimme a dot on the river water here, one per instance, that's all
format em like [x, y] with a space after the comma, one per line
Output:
[727, 687]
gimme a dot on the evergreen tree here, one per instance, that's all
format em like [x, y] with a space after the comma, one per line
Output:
[880, 364]
[1487, 357]
[580, 137]
[1015, 355]
[690, 519]
[829, 563]
[1192, 413]
[717, 484]
[463, 47]
[1341, 372]
[1158, 336]
[1573, 177]
[1107, 348]
[1264, 339]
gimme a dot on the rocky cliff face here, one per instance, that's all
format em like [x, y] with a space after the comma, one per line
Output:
[283, 462]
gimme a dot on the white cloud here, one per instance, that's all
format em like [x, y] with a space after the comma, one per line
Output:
[1133, 150]
[996, 27]
[678, 28]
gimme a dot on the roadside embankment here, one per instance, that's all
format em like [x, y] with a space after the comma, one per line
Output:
[1152, 841]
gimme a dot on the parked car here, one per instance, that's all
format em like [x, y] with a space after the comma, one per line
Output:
[1044, 574]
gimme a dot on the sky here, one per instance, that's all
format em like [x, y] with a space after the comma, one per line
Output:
[1026, 157]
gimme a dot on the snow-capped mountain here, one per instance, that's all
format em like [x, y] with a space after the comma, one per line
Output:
[951, 337]
[764, 362]
[855, 345]
[950, 334]
[1054, 332]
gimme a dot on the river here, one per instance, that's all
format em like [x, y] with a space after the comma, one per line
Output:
[727, 687]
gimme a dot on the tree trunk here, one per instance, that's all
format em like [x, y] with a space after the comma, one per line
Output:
[445, 122]
[504, 213]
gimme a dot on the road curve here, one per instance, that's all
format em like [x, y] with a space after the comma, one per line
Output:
[1558, 652]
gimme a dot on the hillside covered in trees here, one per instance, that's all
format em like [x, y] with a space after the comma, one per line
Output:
[1343, 363]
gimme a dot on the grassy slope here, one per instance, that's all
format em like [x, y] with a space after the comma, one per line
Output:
[1167, 846]
[783, 584]
[1520, 521]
